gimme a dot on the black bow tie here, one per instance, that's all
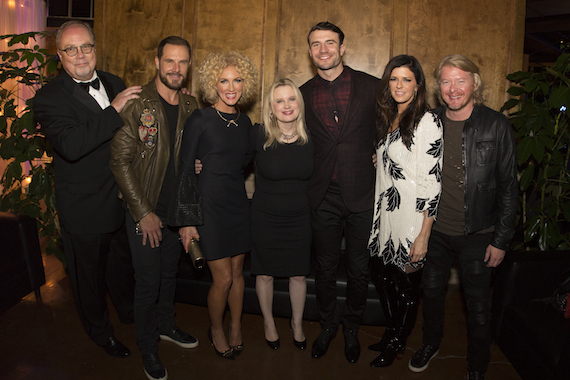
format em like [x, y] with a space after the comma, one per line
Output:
[94, 83]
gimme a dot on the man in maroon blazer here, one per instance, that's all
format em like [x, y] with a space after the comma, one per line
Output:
[340, 107]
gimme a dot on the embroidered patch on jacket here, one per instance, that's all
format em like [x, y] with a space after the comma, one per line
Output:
[148, 130]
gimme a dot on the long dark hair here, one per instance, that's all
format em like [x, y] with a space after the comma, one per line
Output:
[388, 108]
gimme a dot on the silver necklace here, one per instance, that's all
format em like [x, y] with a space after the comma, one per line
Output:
[230, 122]
[289, 137]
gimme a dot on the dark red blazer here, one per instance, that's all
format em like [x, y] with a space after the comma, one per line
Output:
[352, 151]
[80, 132]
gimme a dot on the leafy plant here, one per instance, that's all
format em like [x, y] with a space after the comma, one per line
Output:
[541, 123]
[21, 140]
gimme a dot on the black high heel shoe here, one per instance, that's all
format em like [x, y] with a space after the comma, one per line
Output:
[227, 354]
[237, 350]
[275, 344]
[300, 345]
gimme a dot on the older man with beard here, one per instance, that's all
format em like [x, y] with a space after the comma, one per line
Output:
[144, 160]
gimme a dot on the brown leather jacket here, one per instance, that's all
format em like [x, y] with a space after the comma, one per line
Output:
[140, 150]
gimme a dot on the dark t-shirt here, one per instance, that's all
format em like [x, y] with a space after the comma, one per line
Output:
[451, 212]
[171, 112]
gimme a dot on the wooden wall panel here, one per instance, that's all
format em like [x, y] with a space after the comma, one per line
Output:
[220, 27]
[480, 30]
[274, 32]
[366, 28]
[129, 33]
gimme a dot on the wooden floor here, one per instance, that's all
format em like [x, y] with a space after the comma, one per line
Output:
[46, 342]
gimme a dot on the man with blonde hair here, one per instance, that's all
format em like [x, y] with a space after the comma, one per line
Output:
[476, 214]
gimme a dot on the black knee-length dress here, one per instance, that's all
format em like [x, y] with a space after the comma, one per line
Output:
[280, 211]
[222, 150]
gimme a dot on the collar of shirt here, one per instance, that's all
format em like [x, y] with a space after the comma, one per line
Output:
[99, 95]
[343, 78]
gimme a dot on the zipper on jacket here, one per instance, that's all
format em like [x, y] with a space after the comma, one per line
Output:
[150, 177]
[141, 156]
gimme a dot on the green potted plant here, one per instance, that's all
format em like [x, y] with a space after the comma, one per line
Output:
[541, 123]
[21, 140]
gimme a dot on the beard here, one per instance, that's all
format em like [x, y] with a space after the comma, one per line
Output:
[173, 85]
[326, 66]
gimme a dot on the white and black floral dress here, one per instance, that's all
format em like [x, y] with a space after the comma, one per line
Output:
[408, 182]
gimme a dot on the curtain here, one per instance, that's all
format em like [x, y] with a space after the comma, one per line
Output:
[21, 16]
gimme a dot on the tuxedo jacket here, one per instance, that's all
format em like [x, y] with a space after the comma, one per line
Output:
[80, 132]
[353, 149]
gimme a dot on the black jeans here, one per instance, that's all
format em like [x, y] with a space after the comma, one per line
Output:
[155, 284]
[328, 223]
[476, 281]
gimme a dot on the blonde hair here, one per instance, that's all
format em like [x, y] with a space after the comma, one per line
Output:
[465, 64]
[272, 131]
[211, 69]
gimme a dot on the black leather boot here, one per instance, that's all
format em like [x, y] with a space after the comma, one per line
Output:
[382, 280]
[403, 298]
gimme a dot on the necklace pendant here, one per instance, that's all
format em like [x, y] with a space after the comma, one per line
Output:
[231, 122]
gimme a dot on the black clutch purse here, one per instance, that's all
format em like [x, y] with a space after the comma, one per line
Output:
[196, 254]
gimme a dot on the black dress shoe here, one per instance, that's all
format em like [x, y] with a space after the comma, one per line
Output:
[321, 345]
[115, 348]
[275, 344]
[351, 345]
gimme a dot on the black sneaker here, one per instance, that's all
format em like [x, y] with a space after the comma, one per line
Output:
[180, 338]
[153, 367]
[476, 375]
[420, 361]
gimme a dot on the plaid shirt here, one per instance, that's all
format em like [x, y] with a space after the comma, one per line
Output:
[330, 100]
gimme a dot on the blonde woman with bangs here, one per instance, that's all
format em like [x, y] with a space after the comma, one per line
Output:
[280, 213]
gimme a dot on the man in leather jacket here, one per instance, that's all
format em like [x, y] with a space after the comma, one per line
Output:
[476, 212]
[144, 160]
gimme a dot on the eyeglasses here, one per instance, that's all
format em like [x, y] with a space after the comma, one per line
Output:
[72, 50]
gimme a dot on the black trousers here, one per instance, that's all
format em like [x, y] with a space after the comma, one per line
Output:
[328, 223]
[97, 263]
[155, 275]
[476, 281]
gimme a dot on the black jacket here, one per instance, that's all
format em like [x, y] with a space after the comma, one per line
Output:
[81, 132]
[490, 182]
[352, 151]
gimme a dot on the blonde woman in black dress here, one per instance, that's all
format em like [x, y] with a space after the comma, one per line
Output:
[280, 213]
[219, 137]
